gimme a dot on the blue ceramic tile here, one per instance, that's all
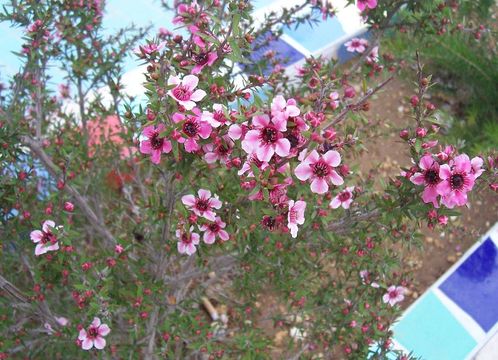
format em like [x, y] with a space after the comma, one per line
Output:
[432, 333]
[474, 285]
[283, 50]
[318, 35]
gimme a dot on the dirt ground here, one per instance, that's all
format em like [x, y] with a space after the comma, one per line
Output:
[442, 247]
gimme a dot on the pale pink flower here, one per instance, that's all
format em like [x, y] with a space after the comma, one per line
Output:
[217, 117]
[267, 138]
[246, 166]
[295, 216]
[94, 335]
[429, 177]
[282, 109]
[150, 48]
[373, 57]
[394, 295]
[184, 92]
[477, 163]
[44, 239]
[456, 181]
[363, 4]
[203, 205]
[214, 229]
[356, 45]
[193, 128]
[319, 169]
[155, 145]
[218, 151]
[203, 59]
[334, 100]
[188, 242]
[62, 321]
[344, 198]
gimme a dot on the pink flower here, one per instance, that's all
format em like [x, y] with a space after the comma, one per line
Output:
[334, 100]
[344, 198]
[149, 48]
[356, 45]
[193, 127]
[456, 181]
[44, 239]
[266, 138]
[155, 145]
[214, 229]
[202, 59]
[217, 117]
[363, 4]
[188, 242]
[252, 159]
[476, 163]
[94, 335]
[184, 92]
[320, 170]
[429, 177]
[219, 151]
[203, 205]
[282, 109]
[295, 216]
[373, 57]
[394, 295]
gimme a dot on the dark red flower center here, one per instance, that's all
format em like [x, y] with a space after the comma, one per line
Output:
[269, 134]
[431, 177]
[457, 181]
[48, 237]
[321, 168]
[191, 128]
[214, 227]
[219, 116]
[222, 149]
[186, 239]
[393, 294]
[92, 332]
[156, 142]
[182, 93]
[344, 196]
[200, 59]
[202, 204]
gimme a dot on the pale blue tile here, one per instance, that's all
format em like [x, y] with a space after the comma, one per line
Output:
[432, 332]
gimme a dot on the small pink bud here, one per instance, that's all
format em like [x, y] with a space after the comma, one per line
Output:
[442, 220]
[69, 206]
[494, 187]
[118, 249]
[414, 100]
[349, 92]
[421, 132]
[404, 134]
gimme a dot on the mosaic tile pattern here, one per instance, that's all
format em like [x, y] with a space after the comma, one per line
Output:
[431, 329]
[458, 315]
[474, 285]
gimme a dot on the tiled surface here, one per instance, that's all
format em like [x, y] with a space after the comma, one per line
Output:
[431, 329]
[474, 285]
[457, 317]
[317, 35]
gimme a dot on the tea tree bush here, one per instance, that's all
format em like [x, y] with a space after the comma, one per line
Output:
[123, 220]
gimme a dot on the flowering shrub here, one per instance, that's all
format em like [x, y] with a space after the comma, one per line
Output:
[265, 173]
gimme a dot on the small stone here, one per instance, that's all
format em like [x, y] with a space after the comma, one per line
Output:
[451, 258]
[429, 239]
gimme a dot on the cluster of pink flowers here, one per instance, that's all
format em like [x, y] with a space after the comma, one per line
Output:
[446, 178]
[203, 206]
